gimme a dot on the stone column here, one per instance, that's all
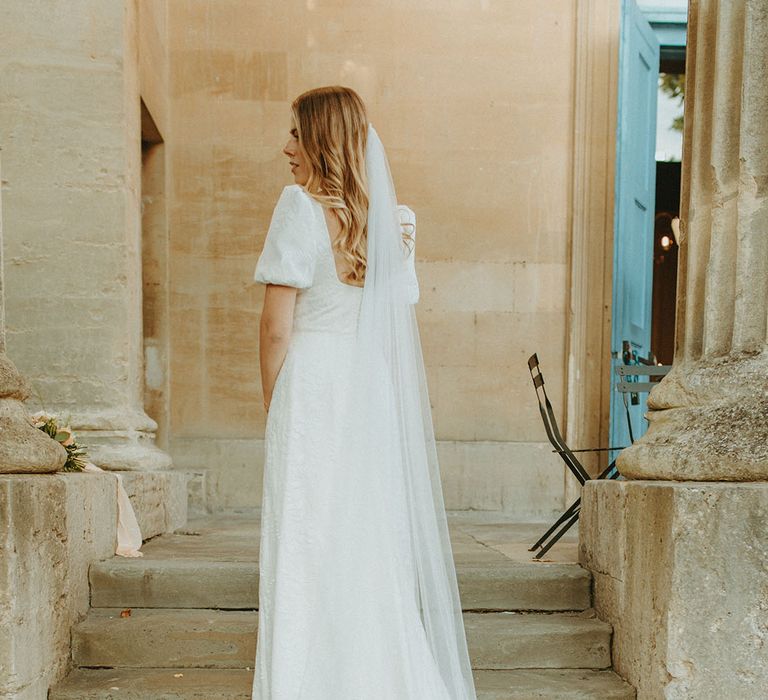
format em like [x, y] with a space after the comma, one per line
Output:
[70, 123]
[708, 419]
[23, 448]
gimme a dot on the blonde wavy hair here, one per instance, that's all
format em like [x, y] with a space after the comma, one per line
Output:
[332, 126]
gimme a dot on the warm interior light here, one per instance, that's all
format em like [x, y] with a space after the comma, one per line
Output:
[666, 242]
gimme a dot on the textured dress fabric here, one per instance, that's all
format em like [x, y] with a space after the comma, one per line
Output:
[338, 612]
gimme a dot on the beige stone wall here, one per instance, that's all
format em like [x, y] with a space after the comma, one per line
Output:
[129, 269]
[475, 107]
[153, 60]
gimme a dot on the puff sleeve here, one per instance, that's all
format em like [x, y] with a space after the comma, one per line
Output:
[290, 249]
[407, 216]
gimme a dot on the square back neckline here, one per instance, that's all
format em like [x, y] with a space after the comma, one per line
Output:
[329, 248]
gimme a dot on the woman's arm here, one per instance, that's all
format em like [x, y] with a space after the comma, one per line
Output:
[274, 334]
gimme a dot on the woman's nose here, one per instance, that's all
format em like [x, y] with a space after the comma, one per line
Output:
[287, 151]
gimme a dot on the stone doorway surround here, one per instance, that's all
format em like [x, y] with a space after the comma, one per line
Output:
[591, 254]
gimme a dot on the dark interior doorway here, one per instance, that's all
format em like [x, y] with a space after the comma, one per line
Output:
[665, 248]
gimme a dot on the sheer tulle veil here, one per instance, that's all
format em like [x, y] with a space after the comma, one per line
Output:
[394, 440]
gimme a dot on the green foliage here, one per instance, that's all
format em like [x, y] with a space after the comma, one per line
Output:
[673, 84]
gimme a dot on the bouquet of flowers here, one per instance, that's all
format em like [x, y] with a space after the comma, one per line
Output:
[49, 424]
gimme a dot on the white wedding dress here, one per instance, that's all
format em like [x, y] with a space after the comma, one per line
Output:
[338, 612]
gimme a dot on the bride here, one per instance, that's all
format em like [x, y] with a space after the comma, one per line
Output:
[358, 598]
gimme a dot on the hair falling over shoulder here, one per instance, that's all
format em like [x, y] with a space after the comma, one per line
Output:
[332, 125]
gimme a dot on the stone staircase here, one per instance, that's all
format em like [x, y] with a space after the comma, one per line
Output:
[191, 632]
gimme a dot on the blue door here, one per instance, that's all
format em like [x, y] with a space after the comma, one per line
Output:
[634, 209]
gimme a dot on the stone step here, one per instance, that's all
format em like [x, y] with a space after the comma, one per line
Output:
[154, 684]
[503, 584]
[186, 638]
[524, 586]
[552, 684]
[235, 684]
[509, 640]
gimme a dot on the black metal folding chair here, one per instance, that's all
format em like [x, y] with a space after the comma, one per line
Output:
[571, 515]
[627, 386]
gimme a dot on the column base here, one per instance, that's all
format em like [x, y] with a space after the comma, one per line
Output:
[120, 440]
[679, 571]
[125, 451]
[23, 448]
[708, 421]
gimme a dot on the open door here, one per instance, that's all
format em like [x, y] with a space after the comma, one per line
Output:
[634, 210]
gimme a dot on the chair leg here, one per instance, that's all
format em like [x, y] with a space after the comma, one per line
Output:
[567, 514]
[562, 531]
[608, 470]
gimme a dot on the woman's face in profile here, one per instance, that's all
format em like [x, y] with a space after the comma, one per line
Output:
[296, 158]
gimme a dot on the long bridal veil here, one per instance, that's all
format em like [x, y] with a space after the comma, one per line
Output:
[393, 442]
